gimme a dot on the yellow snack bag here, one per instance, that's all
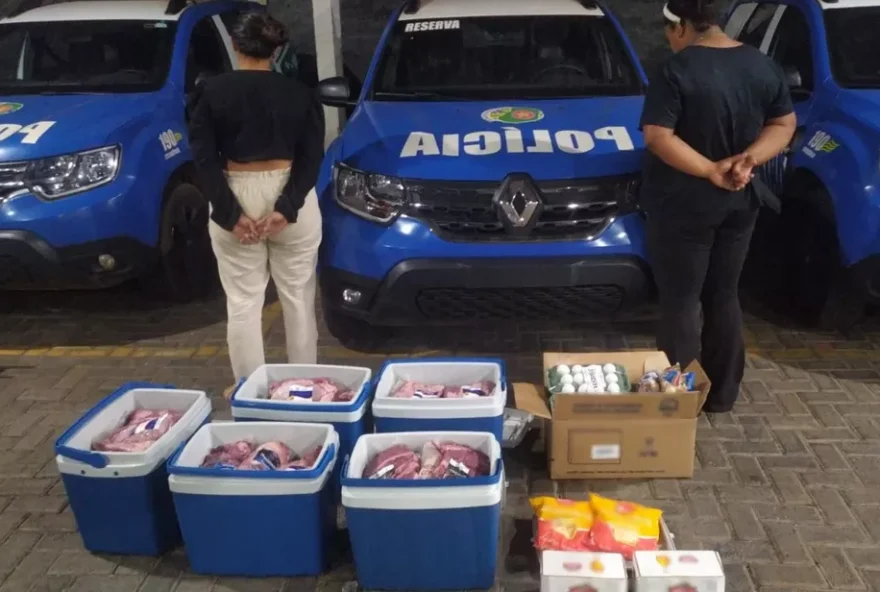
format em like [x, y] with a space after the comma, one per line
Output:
[624, 527]
[563, 525]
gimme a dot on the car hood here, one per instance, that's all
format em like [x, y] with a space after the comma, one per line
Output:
[475, 141]
[34, 126]
[864, 105]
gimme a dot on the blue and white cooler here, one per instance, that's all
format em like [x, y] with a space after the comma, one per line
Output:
[121, 500]
[431, 534]
[350, 419]
[477, 414]
[256, 523]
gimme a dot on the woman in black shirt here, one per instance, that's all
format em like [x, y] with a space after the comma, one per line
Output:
[258, 141]
[717, 110]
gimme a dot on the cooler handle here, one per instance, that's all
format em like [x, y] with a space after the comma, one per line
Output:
[237, 388]
[96, 459]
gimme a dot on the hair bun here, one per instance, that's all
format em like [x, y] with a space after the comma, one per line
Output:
[257, 34]
[273, 32]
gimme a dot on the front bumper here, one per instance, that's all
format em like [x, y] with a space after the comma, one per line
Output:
[29, 262]
[453, 291]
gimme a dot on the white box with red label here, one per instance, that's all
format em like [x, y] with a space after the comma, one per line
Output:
[566, 571]
[678, 571]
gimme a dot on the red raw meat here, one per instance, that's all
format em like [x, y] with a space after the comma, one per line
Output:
[228, 456]
[307, 460]
[408, 389]
[458, 460]
[141, 429]
[397, 462]
[431, 457]
[470, 391]
[317, 389]
[444, 460]
[267, 457]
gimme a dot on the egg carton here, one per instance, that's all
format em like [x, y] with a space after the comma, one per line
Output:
[591, 379]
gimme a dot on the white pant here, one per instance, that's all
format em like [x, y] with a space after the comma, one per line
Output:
[290, 257]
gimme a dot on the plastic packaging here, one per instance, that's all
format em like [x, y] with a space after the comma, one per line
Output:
[562, 525]
[624, 527]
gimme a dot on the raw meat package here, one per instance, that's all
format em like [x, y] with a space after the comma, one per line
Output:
[594, 379]
[436, 460]
[271, 456]
[409, 389]
[141, 429]
[319, 390]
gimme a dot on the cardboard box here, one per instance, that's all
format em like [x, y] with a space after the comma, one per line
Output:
[678, 571]
[618, 436]
[564, 571]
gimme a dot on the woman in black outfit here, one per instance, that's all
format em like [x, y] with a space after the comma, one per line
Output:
[258, 141]
[717, 110]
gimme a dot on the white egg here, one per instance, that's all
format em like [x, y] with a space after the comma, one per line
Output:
[609, 368]
[563, 369]
[578, 378]
[577, 369]
[568, 388]
[584, 388]
[613, 388]
[612, 378]
[566, 379]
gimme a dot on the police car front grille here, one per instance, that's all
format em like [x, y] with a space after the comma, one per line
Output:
[464, 211]
[11, 178]
[571, 302]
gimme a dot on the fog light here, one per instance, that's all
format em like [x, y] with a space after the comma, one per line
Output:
[107, 262]
[352, 297]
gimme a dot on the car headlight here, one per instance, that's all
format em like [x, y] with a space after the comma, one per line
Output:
[374, 197]
[60, 176]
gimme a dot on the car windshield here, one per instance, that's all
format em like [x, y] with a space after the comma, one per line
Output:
[84, 56]
[852, 36]
[505, 58]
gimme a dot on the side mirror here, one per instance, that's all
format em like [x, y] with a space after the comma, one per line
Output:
[793, 78]
[335, 92]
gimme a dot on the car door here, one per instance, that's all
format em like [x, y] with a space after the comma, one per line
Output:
[207, 54]
[781, 31]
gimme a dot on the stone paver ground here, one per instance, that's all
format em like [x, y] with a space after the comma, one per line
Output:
[787, 487]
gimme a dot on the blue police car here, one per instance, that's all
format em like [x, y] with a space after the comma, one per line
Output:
[488, 170]
[828, 235]
[96, 180]
[96, 177]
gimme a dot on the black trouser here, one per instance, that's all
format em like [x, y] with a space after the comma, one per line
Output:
[697, 262]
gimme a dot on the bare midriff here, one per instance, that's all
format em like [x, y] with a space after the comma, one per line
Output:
[258, 166]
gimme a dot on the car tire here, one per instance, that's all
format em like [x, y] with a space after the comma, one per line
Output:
[354, 333]
[821, 292]
[186, 269]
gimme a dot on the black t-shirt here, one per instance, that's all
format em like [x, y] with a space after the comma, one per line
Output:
[255, 115]
[717, 100]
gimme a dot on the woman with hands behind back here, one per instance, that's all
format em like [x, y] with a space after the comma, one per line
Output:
[258, 140]
[717, 110]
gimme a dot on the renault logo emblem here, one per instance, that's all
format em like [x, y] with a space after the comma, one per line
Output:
[518, 203]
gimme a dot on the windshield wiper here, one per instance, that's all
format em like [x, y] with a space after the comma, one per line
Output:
[418, 95]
